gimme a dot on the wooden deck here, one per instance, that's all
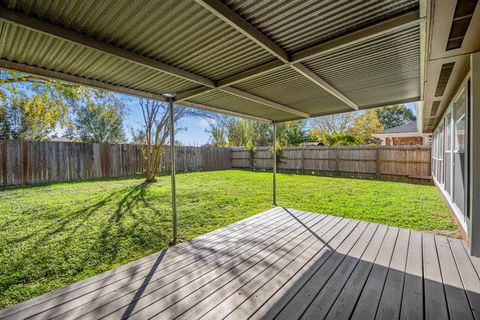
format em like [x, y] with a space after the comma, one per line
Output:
[282, 264]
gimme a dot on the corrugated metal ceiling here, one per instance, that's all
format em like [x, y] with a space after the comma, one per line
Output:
[376, 71]
[285, 85]
[30, 47]
[229, 102]
[185, 35]
[180, 33]
[297, 24]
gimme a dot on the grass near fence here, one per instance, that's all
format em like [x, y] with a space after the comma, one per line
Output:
[55, 234]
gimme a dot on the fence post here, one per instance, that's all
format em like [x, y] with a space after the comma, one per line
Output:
[252, 156]
[302, 152]
[4, 162]
[378, 164]
[337, 160]
[25, 163]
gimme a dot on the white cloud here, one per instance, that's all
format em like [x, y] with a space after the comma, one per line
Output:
[205, 123]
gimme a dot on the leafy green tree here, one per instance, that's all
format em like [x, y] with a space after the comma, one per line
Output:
[97, 118]
[236, 131]
[32, 108]
[241, 132]
[365, 126]
[341, 139]
[261, 133]
[293, 133]
[4, 123]
[217, 133]
[394, 116]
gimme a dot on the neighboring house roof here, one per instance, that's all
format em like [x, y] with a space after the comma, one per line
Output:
[408, 129]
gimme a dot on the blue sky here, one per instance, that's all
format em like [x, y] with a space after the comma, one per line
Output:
[194, 135]
[195, 128]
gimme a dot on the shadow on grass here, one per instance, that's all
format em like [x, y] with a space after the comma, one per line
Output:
[66, 182]
[73, 182]
[333, 176]
[124, 203]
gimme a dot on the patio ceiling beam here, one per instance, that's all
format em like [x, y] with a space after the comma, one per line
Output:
[239, 77]
[227, 112]
[376, 30]
[399, 22]
[45, 27]
[300, 68]
[78, 38]
[59, 32]
[50, 74]
[222, 11]
[264, 101]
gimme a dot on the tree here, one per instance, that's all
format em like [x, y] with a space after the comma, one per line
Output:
[217, 133]
[335, 138]
[232, 131]
[98, 118]
[365, 126]
[334, 123]
[340, 139]
[32, 108]
[293, 133]
[157, 130]
[4, 123]
[261, 133]
[395, 116]
[237, 131]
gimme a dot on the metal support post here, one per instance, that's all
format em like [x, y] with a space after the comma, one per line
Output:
[172, 169]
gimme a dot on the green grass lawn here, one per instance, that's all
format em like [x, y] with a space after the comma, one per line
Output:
[55, 234]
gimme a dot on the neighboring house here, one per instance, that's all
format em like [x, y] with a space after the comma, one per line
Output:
[406, 134]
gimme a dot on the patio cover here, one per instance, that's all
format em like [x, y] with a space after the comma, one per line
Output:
[266, 60]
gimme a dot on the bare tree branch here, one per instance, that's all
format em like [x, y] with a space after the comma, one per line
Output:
[157, 130]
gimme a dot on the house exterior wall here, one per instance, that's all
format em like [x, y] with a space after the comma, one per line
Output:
[395, 141]
[450, 169]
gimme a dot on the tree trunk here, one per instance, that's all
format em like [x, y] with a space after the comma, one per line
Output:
[150, 176]
[153, 155]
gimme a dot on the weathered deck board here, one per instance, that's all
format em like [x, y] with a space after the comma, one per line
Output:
[370, 264]
[283, 263]
[390, 302]
[412, 303]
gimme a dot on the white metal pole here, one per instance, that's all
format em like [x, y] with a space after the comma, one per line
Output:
[274, 163]
[172, 169]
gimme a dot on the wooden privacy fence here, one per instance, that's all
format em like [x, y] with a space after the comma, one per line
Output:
[25, 162]
[407, 162]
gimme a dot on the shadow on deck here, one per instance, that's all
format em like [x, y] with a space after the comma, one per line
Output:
[282, 264]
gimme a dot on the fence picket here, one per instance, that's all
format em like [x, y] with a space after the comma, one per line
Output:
[397, 162]
[26, 162]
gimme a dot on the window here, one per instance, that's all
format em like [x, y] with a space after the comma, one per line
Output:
[460, 124]
[448, 133]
